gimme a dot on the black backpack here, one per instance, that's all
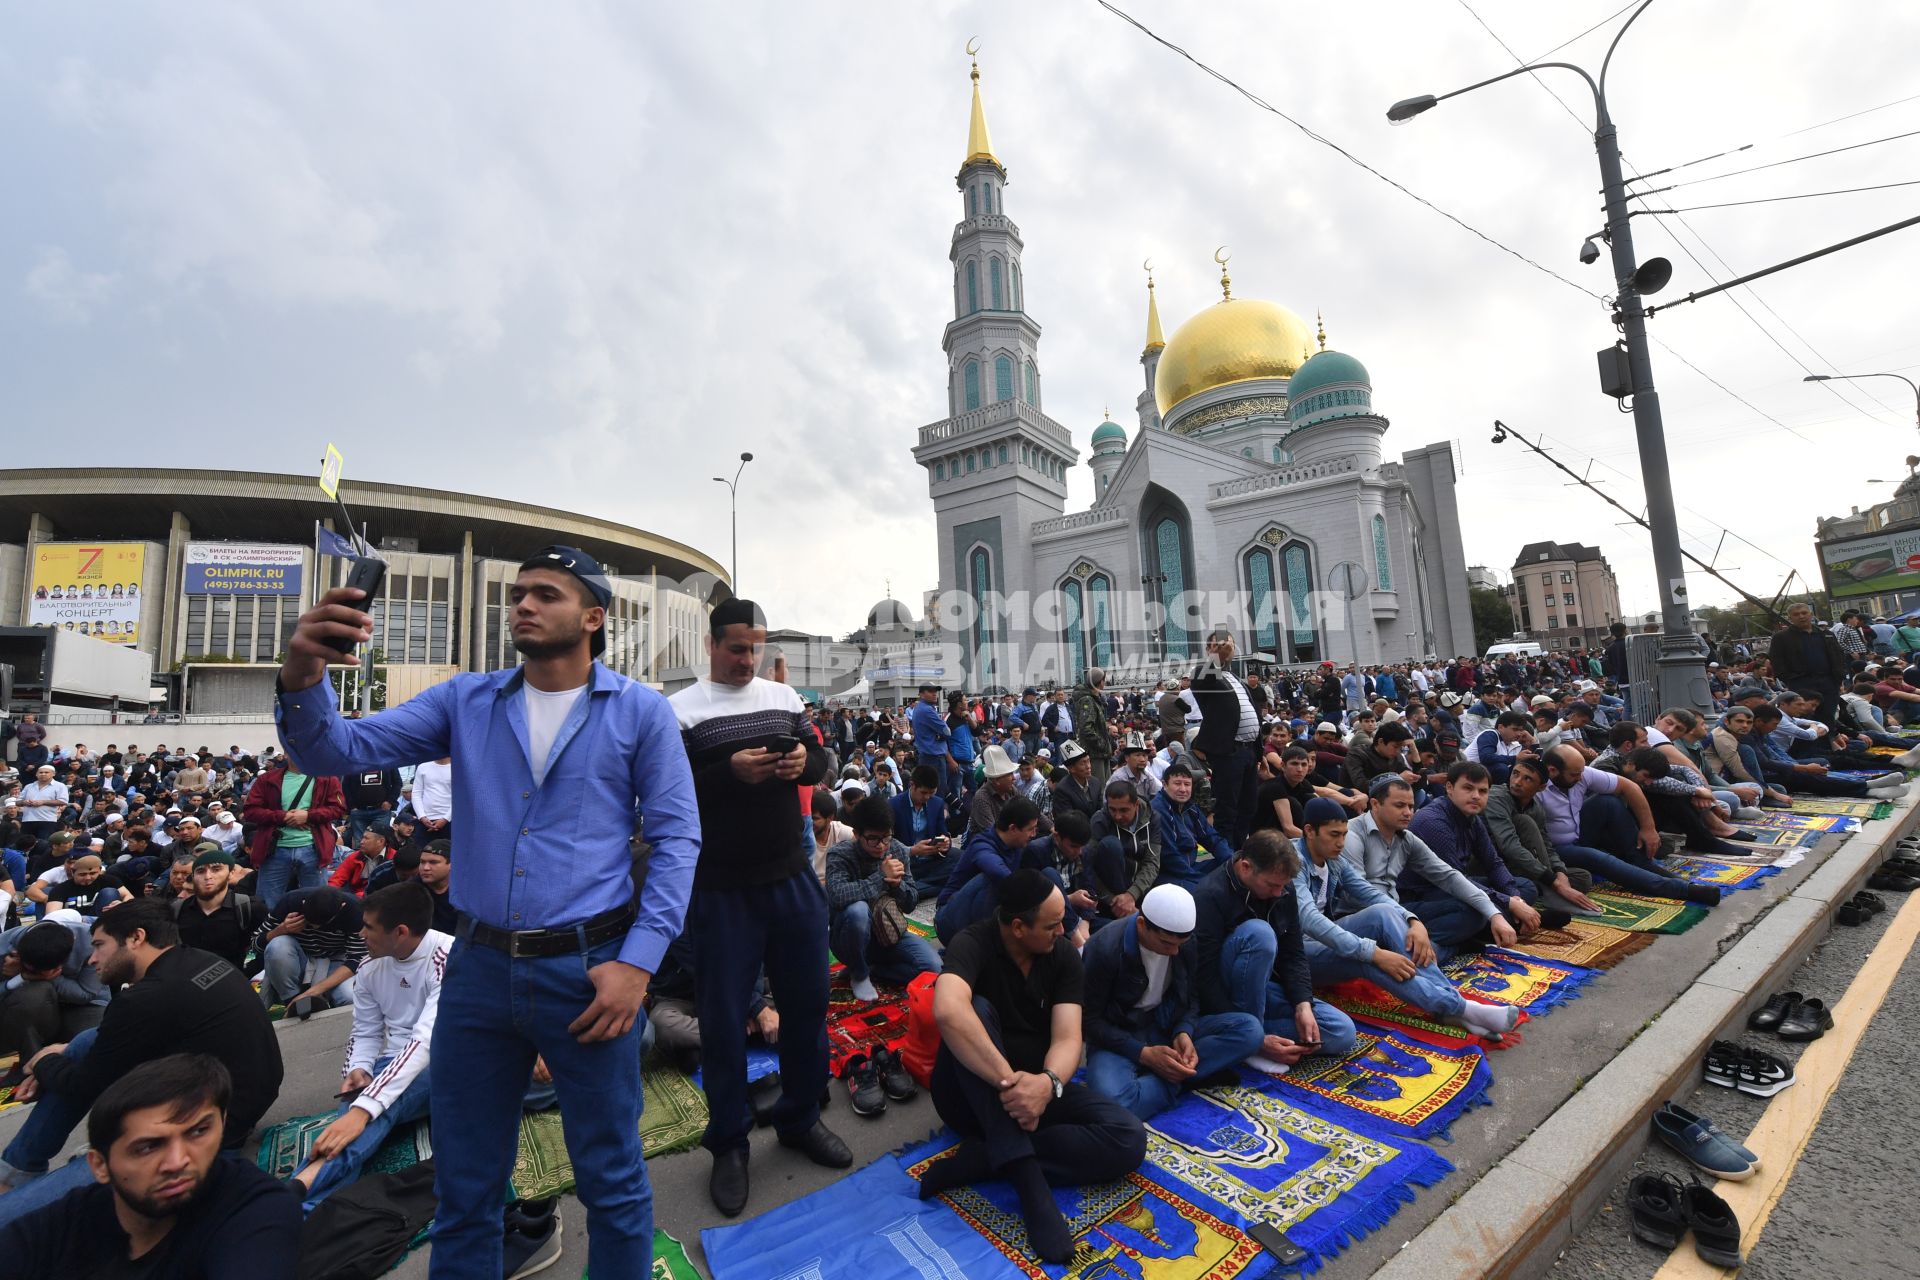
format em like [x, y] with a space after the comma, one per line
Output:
[360, 1231]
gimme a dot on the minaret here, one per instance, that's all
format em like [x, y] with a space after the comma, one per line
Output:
[996, 463]
[1147, 407]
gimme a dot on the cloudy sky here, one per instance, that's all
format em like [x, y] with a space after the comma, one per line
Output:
[586, 254]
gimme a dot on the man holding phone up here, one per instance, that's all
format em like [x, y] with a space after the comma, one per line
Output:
[756, 903]
[554, 949]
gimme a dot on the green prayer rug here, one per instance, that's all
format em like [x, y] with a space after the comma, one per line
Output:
[1637, 913]
[1870, 810]
[286, 1147]
[669, 1260]
[673, 1119]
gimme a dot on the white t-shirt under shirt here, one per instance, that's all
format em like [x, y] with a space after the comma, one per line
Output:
[546, 712]
[1158, 967]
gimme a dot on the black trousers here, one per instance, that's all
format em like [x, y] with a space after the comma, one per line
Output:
[1082, 1137]
[33, 1017]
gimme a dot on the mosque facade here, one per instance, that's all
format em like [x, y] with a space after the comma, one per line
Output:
[1253, 492]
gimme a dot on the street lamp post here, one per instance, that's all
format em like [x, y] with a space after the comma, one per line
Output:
[1682, 673]
[1854, 377]
[733, 501]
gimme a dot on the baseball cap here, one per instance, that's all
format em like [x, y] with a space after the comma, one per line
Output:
[587, 570]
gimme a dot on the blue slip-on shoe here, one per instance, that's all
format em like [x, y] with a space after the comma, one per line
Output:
[1687, 1117]
[1702, 1145]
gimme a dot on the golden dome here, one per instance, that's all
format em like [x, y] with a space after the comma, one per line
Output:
[1236, 340]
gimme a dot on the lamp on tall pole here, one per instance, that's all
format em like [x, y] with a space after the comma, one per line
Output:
[733, 501]
[1853, 377]
[1682, 674]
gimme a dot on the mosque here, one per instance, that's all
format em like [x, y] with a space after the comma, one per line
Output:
[1252, 494]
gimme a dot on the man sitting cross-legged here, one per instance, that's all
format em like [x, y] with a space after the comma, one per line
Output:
[1458, 914]
[1454, 829]
[1008, 1006]
[1353, 930]
[863, 875]
[1147, 1038]
[1252, 960]
[395, 998]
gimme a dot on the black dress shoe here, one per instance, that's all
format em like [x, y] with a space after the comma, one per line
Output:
[1872, 903]
[1659, 1217]
[1768, 1015]
[1892, 881]
[1808, 1020]
[1716, 1232]
[728, 1185]
[762, 1095]
[1852, 913]
[820, 1145]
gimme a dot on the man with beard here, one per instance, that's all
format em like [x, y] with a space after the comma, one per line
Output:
[217, 918]
[550, 763]
[165, 1198]
[179, 1001]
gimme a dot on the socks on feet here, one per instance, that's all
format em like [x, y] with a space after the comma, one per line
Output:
[1046, 1228]
[968, 1164]
[1490, 1019]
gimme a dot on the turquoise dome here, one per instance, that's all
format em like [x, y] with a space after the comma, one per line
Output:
[1326, 369]
[1109, 432]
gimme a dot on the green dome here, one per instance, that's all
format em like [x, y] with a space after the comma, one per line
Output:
[1109, 431]
[1325, 369]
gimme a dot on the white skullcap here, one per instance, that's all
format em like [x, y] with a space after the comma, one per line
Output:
[1169, 907]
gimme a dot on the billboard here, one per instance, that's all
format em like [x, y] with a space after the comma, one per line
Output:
[89, 588]
[1872, 564]
[243, 569]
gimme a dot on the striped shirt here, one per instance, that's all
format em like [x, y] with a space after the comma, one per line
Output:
[338, 939]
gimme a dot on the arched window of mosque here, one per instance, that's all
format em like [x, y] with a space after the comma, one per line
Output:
[1279, 454]
[1018, 305]
[1101, 485]
[973, 286]
[1002, 378]
[1072, 638]
[1298, 567]
[969, 202]
[1033, 384]
[939, 471]
[1002, 451]
[1266, 627]
[1382, 563]
[995, 287]
[1100, 618]
[1247, 452]
[1167, 545]
[980, 580]
[986, 192]
[973, 372]
[969, 464]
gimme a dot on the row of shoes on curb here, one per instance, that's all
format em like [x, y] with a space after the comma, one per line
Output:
[1792, 1016]
[1860, 908]
[1734, 1066]
[1901, 872]
[874, 1077]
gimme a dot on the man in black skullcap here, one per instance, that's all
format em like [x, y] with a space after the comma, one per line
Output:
[1008, 1005]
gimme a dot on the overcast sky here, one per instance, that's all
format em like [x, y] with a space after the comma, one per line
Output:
[585, 254]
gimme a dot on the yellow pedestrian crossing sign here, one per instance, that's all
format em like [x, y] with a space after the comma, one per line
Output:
[330, 472]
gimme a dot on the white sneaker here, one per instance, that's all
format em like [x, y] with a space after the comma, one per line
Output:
[864, 991]
[1261, 1062]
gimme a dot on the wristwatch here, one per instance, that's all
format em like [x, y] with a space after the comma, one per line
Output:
[1058, 1087]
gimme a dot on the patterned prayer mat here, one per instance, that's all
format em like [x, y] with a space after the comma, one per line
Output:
[1217, 1162]
[1370, 1004]
[1395, 1079]
[1790, 820]
[1725, 876]
[1639, 914]
[673, 1119]
[1499, 976]
[1867, 810]
[1585, 944]
[853, 1027]
[6, 1094]
[286, 1147]
[923, 928]
[669, 1260]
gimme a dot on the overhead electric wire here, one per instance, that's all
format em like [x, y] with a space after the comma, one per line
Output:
[1754, 320]
[1589, 31]
[1804, 195]
[1811, 155]
[1852, 115]
[1266, 106]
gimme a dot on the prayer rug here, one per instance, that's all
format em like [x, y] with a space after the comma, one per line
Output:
[1861, 775]
[1867, 810]
[1586, 944]
[924, 928]
[853, 1027]
[1637, 913]
[285, 1148]
[1725, 876]
[6, 1093]
[1414, 1086]
[1370, 1004]
[669, 1260]
[1499, 976]
[673, 1118]
[1787, 820]
[761, 1062]
[1217, 1162]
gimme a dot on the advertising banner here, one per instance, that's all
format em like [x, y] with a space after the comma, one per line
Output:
[1872, 564]
[242, 569]
[89, 588]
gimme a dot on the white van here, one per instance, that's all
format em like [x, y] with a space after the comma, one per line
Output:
[1516, 649]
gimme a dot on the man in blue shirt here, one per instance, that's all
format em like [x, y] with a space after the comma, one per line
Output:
[554, 950]
[932, 740]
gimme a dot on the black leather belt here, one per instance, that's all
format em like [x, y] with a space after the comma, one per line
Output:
[533, 944]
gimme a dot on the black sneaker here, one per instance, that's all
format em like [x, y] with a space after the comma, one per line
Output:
[526, 1253]
[1658, 1202]
[863, 1086]
[1716, 1232]
[530, 1217]
[894, 1076]
[1733, 1066]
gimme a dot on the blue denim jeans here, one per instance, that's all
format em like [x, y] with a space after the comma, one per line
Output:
[496, 1015]
[288, 867]
[1246, 963]
[851, 936]
[1386, 924]
[345, 1167]
[1220, 1039]
[287, 971]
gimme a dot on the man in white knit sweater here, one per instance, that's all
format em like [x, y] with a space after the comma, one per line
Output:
[395, 997]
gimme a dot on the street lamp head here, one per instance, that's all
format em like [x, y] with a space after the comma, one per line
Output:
[721, 480]
[1499, 432]
[1816, 377]
[1407, 108]
[746, 457]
